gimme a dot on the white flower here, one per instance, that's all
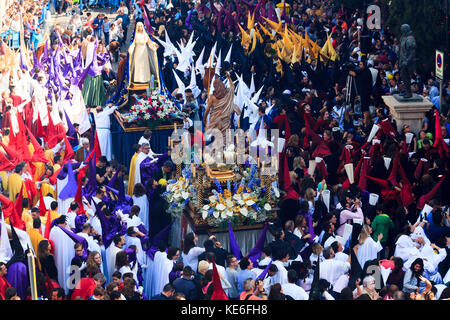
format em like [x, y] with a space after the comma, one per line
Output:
[185, 195]
[220, 207]
[249, 202]
[276, 192]
[237, 197]
[229, 203]
[244, 212]
[241, 202]
[229, 213]
[216, 214]
[267, 207]
[212, 198]
[223, 215]
[206, 207]
[204, 214]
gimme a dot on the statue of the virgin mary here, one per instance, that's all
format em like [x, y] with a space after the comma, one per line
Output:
[143, 61]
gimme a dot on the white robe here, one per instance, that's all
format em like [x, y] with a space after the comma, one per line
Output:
[405, 248]
[76, 110]
[111, 253]
[137, 170]
[295, 291]
[161, 269]
[94, 219]
[92, 244]
[133, 222]
[142, 203]
[191, 259]
[141, 256]
[127, 269]
[368, 251]
[64, 252]
[331, 270]
[63, 204]
[281, 276]
[104, 131]
[148, 278]
[70, 219]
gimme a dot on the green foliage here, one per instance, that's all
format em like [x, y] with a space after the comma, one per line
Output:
[427, 22]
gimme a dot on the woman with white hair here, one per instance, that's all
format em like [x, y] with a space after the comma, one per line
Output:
[368, 288]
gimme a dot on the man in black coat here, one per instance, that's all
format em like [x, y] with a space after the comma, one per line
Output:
[165, 172]
[295, 243]
[212, 245]
[364, 83]
[278, 244]
[186, 284]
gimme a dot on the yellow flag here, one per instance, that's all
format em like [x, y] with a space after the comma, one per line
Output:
[250, 21]
[328, 52]
[266, 32]
[254, 40]
[245, 42]
[258, 35]
[273, 25]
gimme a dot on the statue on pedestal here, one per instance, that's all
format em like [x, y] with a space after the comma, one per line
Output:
[406, 61]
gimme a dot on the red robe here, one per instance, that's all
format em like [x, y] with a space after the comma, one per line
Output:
[84, 288]
[4, 284]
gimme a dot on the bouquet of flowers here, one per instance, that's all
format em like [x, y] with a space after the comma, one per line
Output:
[152, 111]
[178, 193]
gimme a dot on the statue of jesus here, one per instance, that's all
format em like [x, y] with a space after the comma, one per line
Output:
[220, 106]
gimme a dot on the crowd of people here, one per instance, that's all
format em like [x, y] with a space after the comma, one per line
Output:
[99, 229]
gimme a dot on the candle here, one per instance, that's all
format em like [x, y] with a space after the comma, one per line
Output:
[169, 142]
[267, 149]
[193, 171]
[257, 161]
[175, 127]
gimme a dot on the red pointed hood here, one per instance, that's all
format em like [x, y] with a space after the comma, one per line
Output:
[218, 293]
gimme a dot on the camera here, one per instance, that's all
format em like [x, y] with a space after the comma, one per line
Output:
[349, 66]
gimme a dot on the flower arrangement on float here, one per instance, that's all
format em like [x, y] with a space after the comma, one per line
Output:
[152, 111]
[247, 204]
[178, 194]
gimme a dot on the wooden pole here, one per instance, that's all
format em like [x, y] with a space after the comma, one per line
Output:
[32, 275]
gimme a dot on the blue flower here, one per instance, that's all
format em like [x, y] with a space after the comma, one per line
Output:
[218, 186]
[256, 207]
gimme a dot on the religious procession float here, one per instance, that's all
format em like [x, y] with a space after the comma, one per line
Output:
[215, 194]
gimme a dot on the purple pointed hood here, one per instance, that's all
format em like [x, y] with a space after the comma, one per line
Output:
[71, 132]
[70, 190]
[77, 238]
[257, 250]
[234, 245]
[159, 236]
[91, 186]
[263, 274]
